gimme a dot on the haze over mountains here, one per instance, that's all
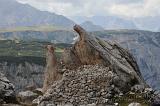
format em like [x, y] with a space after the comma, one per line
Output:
[15, 14]
[90, 26]
[115, 22]
[108, 22]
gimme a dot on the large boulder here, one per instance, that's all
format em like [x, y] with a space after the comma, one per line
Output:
[96, 68]
[7, 92]
[26, 97]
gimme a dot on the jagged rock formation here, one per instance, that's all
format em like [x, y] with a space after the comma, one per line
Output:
[90, 50]
[90, 26]
[7, 92]
[109, 68]
[51, 73]
[144, 46]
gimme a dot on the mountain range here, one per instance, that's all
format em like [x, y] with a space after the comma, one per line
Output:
[14, 14]
[108, 22]
[115, 22]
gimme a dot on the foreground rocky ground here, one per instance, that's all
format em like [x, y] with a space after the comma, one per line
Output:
[93, 72]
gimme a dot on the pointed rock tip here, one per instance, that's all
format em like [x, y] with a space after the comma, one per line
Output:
[50, 48]
[80, 30]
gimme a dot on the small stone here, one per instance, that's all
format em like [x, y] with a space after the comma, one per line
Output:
[93, 104]
[116, 104]
[121, 94]
[51, 105]
[135, 104]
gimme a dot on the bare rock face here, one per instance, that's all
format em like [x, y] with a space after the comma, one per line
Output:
[92, 70]
[7, 93]
[51, 73]
[26, 97]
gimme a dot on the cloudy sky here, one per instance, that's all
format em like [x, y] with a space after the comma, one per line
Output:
[123, 8]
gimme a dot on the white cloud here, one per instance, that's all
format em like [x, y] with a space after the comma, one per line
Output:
[127, 8]
[146, 8]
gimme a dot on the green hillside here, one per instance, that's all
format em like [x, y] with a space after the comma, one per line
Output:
[45, 28]
[21, 48]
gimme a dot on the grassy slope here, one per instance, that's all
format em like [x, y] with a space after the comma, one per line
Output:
[34, 28]
[21, 48]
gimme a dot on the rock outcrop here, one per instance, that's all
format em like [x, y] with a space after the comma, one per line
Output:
[92, 71]
[144, 46]
[26, 97]
[7, 92]
[51, 73]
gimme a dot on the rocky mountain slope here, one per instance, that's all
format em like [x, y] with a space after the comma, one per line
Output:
[91, 72]
[13, 14]
[23, 62]
[144, 45]
[23, 72]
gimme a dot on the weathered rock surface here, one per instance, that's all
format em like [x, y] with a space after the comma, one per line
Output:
[86, 85]
[7, 93]
[51, 73]
[144, 45]
[26, 97]
[93, 71]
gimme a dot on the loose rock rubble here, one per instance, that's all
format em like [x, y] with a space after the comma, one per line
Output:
[86, 85]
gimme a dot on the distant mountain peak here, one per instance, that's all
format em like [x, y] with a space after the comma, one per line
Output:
[15, 14]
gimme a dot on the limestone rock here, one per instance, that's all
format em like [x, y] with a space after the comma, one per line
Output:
[51, 73]
[26, 97]
[92, 50]
[38, 91]
[7, 93]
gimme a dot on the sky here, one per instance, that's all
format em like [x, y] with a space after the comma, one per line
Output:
[89, 8]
